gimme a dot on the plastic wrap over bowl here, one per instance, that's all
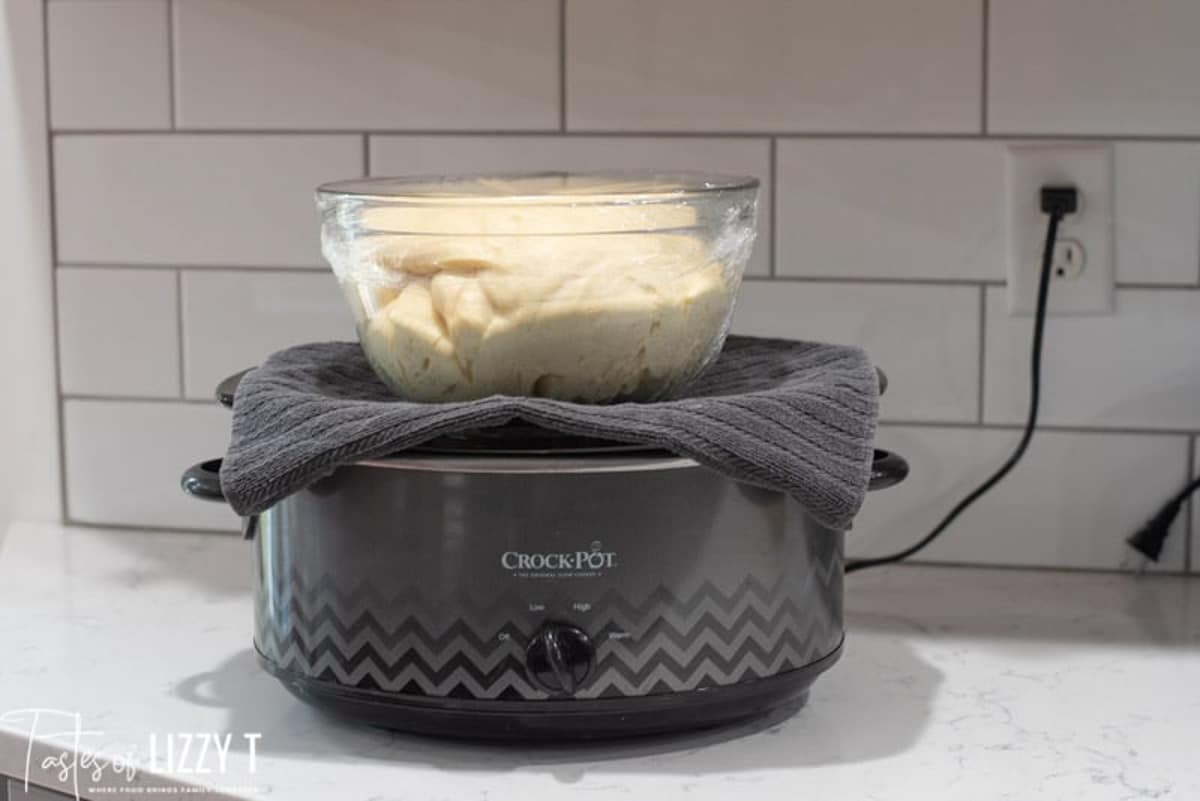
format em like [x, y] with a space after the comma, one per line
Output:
[594, 287]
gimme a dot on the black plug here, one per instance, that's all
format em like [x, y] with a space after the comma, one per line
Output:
[1059, 201]
[1148, 540]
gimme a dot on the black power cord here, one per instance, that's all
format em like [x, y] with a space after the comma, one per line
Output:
[1056, 202]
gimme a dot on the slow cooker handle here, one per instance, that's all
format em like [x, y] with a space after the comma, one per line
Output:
[228, 388]
[204, 481]
[887, 470]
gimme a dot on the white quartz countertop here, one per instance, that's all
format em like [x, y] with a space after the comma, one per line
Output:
[954, 684]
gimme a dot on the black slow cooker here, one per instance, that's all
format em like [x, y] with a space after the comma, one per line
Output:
[521, 583]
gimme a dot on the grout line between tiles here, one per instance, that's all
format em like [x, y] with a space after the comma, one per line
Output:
[174, 400]
[52, 211]
[142, 528]
[235, 268]
[773, 216]
[181, 351]
[831, 279]
[995, 136]
[366, 155]
[957, 565]
[982, 352]
[1140, 285]
[1048, 427]
[184, 131]
[562, 65]
[171, 90]
[983, 72]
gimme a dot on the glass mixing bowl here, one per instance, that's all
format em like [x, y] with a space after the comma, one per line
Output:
[593, 288]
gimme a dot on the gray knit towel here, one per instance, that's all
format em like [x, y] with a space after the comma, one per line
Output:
[793, 416]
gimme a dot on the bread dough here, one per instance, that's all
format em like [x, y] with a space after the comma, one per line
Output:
[609, 296]
[581, 317]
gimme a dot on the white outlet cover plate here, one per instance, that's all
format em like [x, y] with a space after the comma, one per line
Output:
[1089, 167]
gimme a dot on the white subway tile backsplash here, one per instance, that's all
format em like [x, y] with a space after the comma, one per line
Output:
[889, 218]
[399, 155]
[774, 65]
[195, 199]
[124, 460]
[118, 332]
[1070, 503]
[929, 209]
[925, 337]
[108, 63]
[1087, 67]
[1138, 367]
[233, 320]
[1157, 200]
[367, 64]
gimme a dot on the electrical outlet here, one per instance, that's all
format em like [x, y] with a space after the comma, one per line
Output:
[1082, 261]
[1067, 260]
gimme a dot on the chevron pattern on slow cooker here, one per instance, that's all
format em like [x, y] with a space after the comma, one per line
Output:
[705, 638]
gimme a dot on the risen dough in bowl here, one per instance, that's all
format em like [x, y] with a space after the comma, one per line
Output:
[589, 288]
[584, 318]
